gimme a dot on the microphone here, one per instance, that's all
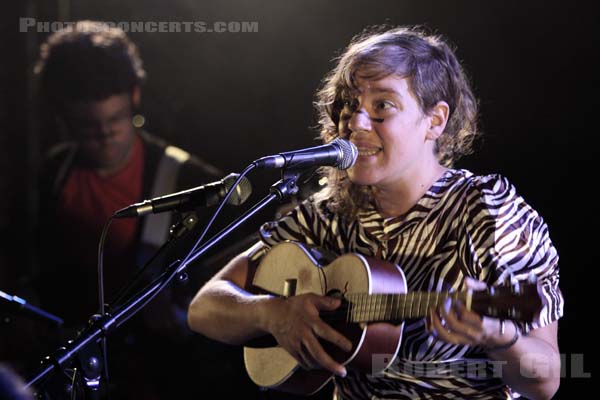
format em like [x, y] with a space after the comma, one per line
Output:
[187, 200]
[339, 153]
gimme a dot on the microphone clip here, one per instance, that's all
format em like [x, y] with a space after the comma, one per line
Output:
[288, 185]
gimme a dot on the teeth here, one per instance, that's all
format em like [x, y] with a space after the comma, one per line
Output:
[367, 152]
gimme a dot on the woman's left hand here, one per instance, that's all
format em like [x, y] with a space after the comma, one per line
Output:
[453, 323]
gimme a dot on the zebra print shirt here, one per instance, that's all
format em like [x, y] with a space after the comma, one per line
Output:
[464, 226]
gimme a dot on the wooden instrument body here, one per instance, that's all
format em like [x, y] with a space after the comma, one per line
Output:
[306, 269]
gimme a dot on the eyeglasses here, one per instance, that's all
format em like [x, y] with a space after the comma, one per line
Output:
[91, 129]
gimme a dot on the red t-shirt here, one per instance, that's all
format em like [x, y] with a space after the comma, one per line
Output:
[86, 203]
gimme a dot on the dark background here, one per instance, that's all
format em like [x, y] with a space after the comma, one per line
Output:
[233, 97]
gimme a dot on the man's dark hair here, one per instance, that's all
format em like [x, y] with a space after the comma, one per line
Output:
[88, 61]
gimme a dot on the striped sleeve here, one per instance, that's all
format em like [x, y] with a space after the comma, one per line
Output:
[509, 241]
[307, 223]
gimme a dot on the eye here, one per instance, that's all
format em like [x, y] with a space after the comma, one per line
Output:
[350, 104]
[84, 127]
[383, 105]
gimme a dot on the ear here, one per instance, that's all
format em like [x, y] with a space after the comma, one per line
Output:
[438, 118]
[136, 97]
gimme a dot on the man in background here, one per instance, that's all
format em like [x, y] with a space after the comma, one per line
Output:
[90, 77]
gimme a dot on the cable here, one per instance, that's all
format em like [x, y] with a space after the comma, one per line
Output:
[101, 265]
[101, 288]
[127, 288]
[171, 274]
[221, 204]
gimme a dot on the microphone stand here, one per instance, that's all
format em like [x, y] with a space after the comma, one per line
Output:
[18, 305]
[281, 190]
[86, 345]
[86, 349]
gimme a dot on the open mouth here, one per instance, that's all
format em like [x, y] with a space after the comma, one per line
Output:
[368, 151]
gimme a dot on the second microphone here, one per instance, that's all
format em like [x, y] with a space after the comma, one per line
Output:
[188, 200]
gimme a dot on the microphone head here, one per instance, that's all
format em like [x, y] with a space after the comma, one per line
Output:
[241, 192]
[348, 151]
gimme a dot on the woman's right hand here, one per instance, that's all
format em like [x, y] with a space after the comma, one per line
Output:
[297, 327]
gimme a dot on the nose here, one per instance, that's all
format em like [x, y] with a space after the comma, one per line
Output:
[359, 121]
[106, 131]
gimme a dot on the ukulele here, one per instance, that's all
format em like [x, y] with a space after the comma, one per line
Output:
[375, 302]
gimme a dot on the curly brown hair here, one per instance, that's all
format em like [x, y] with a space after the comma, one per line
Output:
[88, 61]
[434, 74]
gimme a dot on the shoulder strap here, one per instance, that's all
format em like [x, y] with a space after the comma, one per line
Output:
[155, 229]
[66, 156]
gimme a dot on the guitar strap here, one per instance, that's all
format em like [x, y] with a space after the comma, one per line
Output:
[155, 228]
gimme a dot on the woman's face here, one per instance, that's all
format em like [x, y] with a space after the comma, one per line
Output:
[385, 122]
